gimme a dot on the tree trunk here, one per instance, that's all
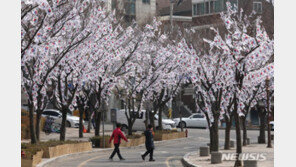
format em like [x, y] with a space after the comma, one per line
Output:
[160, 118]
[130, 127]
[227, 132]
[268, 132]
[215, 135]
[243, 119]
[81, 124]
[238, 137]
[63, 126]
[98, 116]
[32, 129]
[261, 139]
[38, 118]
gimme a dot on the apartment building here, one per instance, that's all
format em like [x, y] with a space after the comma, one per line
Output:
[138, 10]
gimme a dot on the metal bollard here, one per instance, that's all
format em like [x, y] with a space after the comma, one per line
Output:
[232, 142]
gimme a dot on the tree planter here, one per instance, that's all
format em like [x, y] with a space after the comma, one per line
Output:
[32, 161]
[59, 150]
[204, 151]
[169, 136]
[133, 142]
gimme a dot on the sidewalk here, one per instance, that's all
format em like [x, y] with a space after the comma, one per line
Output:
[73, 134]
[193, 159]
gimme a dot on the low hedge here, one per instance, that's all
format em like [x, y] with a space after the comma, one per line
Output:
[32, 149]
[165, 131]
[134, 136]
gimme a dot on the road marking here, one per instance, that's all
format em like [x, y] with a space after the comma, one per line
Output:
[167, 161]
[84, 162]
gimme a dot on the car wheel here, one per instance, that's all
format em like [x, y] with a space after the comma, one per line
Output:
[182, 124]
[68, 124]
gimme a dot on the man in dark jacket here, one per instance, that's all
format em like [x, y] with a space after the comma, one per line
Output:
[117, 135]
[149, 143]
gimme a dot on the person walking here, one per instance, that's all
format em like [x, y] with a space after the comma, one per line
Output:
[117, 135]
[149, 143]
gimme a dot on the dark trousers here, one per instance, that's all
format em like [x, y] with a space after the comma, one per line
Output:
[116, 150]
[149, 151]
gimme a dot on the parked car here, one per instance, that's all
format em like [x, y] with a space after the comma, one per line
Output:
[72, 121]
[139, 124]
[195, 120]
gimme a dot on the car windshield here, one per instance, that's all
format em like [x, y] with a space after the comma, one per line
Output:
[163, 116]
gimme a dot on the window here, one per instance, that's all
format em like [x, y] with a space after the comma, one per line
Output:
[257, 7]
[218, 6]
[198, 116]
[234, 3]
[45, 113]
[146, 1]
[51, 113]
[209, 7]
[198, 9]
[130, 7]
[137, 115]
[54, 113]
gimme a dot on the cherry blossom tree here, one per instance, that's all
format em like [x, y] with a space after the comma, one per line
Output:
[50, 30]
[110, 55]
[169, 69]
[209, 76]
[133, 84]
[249, 54]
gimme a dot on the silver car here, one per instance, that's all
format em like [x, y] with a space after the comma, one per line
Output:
[72, 121]
[195, 120]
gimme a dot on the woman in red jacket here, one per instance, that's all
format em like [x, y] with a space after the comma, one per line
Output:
[117, 135]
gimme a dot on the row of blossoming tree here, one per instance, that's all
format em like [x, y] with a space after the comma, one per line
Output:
[229, 79]
[77, 54]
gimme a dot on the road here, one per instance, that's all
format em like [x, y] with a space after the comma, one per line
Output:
[166, 154]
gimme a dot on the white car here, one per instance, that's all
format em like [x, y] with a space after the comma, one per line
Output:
[139, 124]
[72, 121]
[195, 120]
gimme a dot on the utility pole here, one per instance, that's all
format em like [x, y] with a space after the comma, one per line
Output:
[268, 115]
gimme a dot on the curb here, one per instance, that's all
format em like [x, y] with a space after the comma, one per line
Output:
[50, 160]
[186, 162]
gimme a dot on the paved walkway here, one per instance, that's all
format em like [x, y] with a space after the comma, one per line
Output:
[73, 134]
[194, 158]
[167, 153]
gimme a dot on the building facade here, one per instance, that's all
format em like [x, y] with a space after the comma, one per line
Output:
[139, 10]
